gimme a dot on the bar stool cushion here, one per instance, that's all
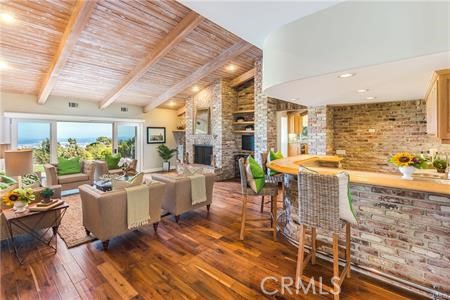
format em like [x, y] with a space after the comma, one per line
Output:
[255, 175]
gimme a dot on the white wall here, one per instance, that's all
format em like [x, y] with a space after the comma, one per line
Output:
[158, 118]
[59, 106]
[354, 34]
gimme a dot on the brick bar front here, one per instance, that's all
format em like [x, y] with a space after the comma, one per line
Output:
[401, 233]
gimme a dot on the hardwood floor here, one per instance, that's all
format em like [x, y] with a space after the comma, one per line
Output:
[199, 258]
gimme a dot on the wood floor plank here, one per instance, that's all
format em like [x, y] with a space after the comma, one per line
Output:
[122, 287]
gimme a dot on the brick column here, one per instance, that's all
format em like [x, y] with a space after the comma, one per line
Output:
[228, 146]
[260, 113]
[320, 130]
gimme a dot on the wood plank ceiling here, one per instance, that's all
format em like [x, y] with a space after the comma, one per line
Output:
[118, 36]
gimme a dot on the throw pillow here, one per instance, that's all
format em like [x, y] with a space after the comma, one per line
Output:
[69, 166]
[346, 211]
[112, 161]
[255, 175]
[118, 184]
[271, 157]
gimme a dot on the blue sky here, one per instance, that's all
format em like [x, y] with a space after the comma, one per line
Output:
[36, 130]
[83, 130]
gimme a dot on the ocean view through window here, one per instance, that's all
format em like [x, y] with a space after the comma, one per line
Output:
[74, 139]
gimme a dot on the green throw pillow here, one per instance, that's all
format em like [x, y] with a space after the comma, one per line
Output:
[112, 161]
[69, 166]
[255, 175]
[7, 179]
[273, 156]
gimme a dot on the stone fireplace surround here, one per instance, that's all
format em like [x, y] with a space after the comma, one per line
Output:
[220, 98]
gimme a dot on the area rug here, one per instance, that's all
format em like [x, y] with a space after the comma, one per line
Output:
[71, 229]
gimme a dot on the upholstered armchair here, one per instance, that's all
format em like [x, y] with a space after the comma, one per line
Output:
[44, 223]
[177, 199]
[105, 213]
[72, 181]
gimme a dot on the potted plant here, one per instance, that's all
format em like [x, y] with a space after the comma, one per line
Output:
[47, 194]
[20, 198]
[166, 154]
[407, 163]
[440, 165]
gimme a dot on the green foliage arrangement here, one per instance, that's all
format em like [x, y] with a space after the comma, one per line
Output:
[47, 193]
[165, 153]
[97, 150]
[440, 164]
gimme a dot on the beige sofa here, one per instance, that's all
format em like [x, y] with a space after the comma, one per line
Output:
[46, 222]
[177, 199]
[105, 213]
[72, 181]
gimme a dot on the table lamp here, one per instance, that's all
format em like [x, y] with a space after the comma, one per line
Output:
[18, 163]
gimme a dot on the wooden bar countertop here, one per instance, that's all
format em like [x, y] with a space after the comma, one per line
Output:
[291, 164]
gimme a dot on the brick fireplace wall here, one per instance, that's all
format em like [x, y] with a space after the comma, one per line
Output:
[371, 133]
[221, 99]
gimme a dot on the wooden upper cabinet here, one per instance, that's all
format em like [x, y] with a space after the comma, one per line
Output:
[294, 123]
[290, 123]
[438, 106]
[297, 124]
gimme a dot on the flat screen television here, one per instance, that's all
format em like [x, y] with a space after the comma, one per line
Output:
[248, 142]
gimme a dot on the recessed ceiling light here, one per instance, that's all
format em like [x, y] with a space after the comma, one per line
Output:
[195, 88]
[231, 68]
[362, 90]
[7, 18]
[346, 75]
[371, 98]
[3, 65]
[171, 103]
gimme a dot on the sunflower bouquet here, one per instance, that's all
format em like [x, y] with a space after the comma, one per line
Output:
[406, 159]
[25, 195]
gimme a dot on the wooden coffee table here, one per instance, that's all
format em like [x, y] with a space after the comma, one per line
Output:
[29, 220]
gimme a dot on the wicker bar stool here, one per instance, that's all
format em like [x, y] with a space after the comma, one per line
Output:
[278, 178]
[318, 198]
[269, 189]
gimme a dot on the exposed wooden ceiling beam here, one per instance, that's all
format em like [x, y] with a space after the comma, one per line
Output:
[180, 31]
[81, 13]
[250, 74]
[233, 51]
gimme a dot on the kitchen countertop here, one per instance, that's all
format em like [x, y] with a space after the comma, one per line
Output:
[291, 164]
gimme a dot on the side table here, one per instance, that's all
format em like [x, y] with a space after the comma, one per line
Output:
[29, 220]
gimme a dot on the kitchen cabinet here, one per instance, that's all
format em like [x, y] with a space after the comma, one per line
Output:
[438, 106]
[294, 123]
